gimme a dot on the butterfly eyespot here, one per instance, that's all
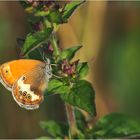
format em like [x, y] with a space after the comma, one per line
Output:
[29, 96]
[20, 92]
[24, 93]
[6, 71]
[23, 78]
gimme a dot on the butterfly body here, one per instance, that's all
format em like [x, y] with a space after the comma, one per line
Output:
[27, 79]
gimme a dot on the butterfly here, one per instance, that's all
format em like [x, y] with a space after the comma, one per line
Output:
[27, 80]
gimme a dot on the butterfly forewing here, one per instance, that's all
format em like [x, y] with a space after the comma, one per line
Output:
[11, 71]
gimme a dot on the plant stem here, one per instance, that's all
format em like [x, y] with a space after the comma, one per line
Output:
[71, 120]
[55, 46]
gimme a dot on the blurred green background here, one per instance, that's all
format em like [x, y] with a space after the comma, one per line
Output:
[110, 33]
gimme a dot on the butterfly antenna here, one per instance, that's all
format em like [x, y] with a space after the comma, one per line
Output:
[44, 57]
[42, 54]
[59, 77]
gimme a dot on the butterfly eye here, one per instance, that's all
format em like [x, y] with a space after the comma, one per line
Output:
[24, 93]
[29, 96]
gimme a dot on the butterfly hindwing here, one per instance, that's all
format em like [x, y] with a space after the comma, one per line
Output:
[28, 89]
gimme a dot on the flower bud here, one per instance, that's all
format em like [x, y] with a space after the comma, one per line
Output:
[69, 68]
[35, 3]
[38, 26]
[48, 49]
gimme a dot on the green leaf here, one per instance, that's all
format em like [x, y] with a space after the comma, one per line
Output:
[33, 41]
[35, 54]
[82, 96]
[115, 125]
[56, 86]
[80, 120]
[69, 53]
[42, 13]
[55, 17]
[70, 8]
[55, 129]
[82, 69]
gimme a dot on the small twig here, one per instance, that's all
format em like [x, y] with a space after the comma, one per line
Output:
[71, 120]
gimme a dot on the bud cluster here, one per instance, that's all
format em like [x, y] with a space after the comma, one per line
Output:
[47, 5]
[69, 68]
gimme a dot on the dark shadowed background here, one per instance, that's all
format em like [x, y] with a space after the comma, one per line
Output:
[110, 33]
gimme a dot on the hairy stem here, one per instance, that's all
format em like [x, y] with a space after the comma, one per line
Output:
[71, 120]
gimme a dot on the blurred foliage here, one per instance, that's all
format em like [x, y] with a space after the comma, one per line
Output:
[121, 59]
[4, 26]
[125, 72]
[115, 125]
[55, 129]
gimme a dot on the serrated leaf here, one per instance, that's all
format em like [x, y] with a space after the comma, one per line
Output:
[82, 96]
[115, 125]
[33, 41]
[56, 86]
[69, 53]
[82, 69]
[55, 129]
[70, 8]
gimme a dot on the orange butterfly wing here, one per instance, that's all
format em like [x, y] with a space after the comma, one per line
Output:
[11, 71]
